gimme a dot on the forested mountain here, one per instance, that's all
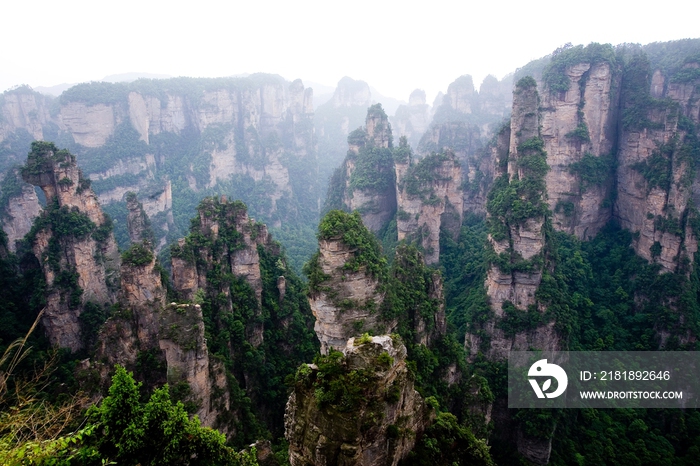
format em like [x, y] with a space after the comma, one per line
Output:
[553, 210]
[176, 141]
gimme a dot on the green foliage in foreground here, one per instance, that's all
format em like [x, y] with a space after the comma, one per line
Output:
[124, 430]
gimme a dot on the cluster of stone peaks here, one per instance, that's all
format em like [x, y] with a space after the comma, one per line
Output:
[383, 182]
[73, 241]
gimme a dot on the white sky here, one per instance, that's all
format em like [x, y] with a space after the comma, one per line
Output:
[394, 46]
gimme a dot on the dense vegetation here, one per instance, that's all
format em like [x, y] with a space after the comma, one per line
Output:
[554, 75]
[413, 301]
[602, 296]
[124, 429]
[256, 371]
[599, 293]
[421, 177]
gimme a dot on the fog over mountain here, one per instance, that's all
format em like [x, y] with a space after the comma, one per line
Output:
[225, 267]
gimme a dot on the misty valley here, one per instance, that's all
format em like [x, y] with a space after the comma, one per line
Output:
[226, 271]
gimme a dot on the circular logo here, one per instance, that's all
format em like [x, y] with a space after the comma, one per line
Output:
[551, 371]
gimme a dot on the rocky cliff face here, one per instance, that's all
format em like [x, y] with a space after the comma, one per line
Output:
[21, 209]
[412, 120]
[347, 303]
[579, 128]
[198, 134]
[523, 238]
[479, 171]
[378, 426]
[516, 215]
[464, 120]
[495, 96]
[429, 196]
[181, 338]
[607, 139]
[227, 224]
[24, 109]
[217, 269]
[370, 180]
[137, 221]
[655, 176]
[351, 93]
[379, 180]
[135, 329]
[146, 331]
[617, 144]
[73, 242]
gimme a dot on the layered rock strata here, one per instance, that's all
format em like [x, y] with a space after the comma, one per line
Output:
[579, 128]
[429, 197]
[656, 178]
[135, 327]
[258, 129]
[181, 338]
[464, 120]
[348, 302]
[19, 213]
[524, 239]
[24, 109]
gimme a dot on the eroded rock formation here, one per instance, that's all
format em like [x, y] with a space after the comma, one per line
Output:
[413, 119]
[228, 225]
[579, 129]
[134, 329]
[181, 338]
[378, 426]
[429, 197]
[25, 110]
[258, 130]
[348, 301]
[20, 211]
[464, 119]
[73, 241]
[369, 171]
[521, 238]
[656, 180]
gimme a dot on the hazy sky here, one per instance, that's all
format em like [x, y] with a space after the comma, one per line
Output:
[394, 46]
